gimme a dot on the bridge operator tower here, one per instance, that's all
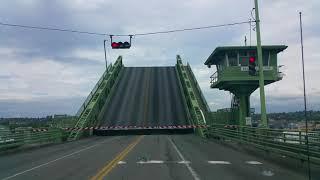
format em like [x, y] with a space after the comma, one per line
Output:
[238, 72]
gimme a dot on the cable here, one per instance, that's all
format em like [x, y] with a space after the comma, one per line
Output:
[105, 34]
[52, 29]
[191, 29]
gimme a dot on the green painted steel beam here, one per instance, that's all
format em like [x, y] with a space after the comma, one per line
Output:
[264, 120]
[91, 110]
[190, 96]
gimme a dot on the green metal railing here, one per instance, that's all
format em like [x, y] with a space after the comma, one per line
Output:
[93, 91]
[287, 142]
[10, 139]
[190, 96]
[92, 108]
[196, 86]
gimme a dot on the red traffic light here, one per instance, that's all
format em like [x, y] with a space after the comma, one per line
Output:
[252, 66]
[115, 45]
[252, 59]
[120, 45]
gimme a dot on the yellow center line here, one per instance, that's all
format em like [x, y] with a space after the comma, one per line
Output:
[107, 168]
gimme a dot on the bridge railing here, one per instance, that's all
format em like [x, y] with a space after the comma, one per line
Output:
[90, 113]
[28, 137]
[287, 142]
[189, 94]
[86, 102]
[193, 78]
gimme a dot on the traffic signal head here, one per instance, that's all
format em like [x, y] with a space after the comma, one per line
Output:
[252, 66]
[252, 60]
[120, 45]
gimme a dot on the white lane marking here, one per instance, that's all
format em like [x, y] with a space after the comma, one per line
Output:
[150, 162]
[183, 162]
[163, 162]
[52, 161]
[267, 173]
[254, 162]
[122, 162]
[193, 173]
[219, 162]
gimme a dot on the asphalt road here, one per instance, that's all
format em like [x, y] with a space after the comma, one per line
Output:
[146, 96]
[185, 157]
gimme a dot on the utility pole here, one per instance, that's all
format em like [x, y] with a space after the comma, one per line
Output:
[264, 120]
[245, 40]
[105, 53]
[304, 96]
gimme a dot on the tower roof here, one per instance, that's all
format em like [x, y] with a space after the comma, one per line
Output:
[220, 51]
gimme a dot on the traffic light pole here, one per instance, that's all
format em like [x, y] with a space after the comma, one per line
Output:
[264, 121]
[105, 53]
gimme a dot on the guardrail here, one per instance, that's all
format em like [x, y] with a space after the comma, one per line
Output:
[10, 139]
[287, 142]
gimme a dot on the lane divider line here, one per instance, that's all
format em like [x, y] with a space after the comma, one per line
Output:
[150, 162]
[183, 162]
[52, 161]
[157, 162]
[107, 168]
[254, 162]
[191, 170]
[122, 162]
[219, 162]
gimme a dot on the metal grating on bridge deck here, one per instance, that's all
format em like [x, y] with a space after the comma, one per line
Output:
[146, 97]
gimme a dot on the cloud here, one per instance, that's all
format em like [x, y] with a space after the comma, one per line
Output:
[48, 67]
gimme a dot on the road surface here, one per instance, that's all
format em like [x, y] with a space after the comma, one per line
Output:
[146, 96]
[156, 157]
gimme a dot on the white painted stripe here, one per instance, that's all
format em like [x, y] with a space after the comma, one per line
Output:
[191, 170]
[122, 162]
[267, 173]
[219, 162]
[150, 162]
[183, 162]
[62, 157]
[253, 162]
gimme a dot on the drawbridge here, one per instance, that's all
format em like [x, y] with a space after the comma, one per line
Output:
[143, 100]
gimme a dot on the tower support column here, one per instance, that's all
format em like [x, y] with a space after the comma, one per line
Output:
[244, 108]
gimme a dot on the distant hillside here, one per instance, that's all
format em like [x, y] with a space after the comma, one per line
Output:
[292, 116]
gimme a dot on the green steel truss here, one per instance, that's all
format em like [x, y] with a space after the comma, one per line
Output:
[193, 103]
[199, 95]
[90, 110]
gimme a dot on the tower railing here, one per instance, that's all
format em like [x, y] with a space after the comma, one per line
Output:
[214, 77]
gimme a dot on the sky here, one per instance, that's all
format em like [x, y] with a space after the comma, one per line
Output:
[46, 72]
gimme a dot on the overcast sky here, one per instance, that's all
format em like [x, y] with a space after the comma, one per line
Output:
[44, 72]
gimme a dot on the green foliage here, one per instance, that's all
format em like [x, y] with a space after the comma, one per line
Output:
[292, 116]
[43, 122]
